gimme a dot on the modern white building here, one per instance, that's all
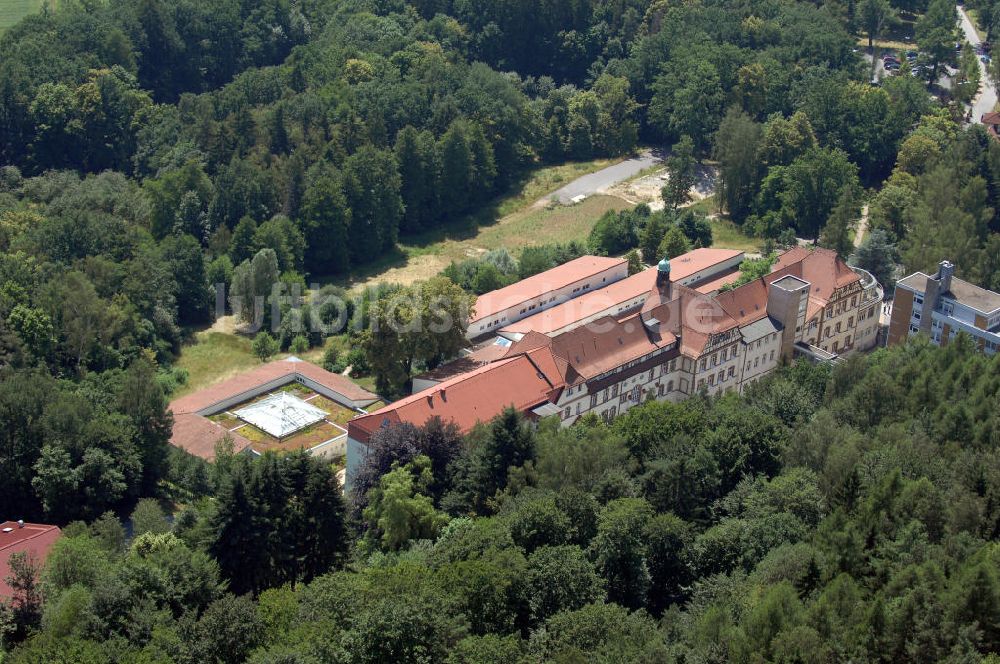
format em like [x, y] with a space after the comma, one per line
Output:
[941, 305]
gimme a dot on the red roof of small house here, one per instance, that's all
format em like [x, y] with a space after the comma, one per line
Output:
[991, 118]
[35, 539]
[537, 285]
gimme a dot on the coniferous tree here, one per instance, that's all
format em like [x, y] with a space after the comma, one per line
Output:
[326, 222]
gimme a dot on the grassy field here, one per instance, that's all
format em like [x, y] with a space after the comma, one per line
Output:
[214, 356]
[520, 218]
[12, 11]
[727, 235]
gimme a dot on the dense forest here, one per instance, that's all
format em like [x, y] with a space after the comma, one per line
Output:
[826, 515]
[151, 149]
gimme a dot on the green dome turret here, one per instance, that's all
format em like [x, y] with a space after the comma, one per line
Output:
[664, 266]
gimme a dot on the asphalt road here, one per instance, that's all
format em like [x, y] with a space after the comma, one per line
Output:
[606, 177]
[987, 98]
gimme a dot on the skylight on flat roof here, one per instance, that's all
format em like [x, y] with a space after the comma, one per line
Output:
[281, 414]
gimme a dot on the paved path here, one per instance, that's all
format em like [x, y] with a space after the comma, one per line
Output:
[606, 177]
[859, 233]
[987, 98]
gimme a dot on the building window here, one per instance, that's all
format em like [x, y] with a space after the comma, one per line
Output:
[847, 341]
[593, 400]
[578, 408]
[772, 355]
[711, 380]
[835, 343]
[850, 322]
[614, 390]
[566, 413]
[636, 393]
[722, 376]
[659, 389]
[701, 365]
[854, 300]
[670, 386]
[732, 371]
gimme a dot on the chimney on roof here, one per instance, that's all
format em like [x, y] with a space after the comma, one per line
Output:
[444, 397]
[663, 278]
[945, 272]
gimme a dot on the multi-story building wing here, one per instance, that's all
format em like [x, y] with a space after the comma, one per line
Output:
[843, 308]
[543, 291]
[671, 343]
[941, 305]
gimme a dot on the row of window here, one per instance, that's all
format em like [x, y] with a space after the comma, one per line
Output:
[835, 309]
[496, 322]
[759, 359]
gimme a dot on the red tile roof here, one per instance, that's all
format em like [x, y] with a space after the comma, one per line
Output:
[481, 356]
[745, 304]
[585, 306]
[541, 283]
[991, 118]
[822, 268]
[537, 366]
[265, 373]
[713, 285]
[620, 292]
[696, 260]
[198, 435]
[466, 400]
[608, 343]
[35, 539]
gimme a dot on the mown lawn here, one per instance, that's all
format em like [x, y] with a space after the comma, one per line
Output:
[12, 11]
